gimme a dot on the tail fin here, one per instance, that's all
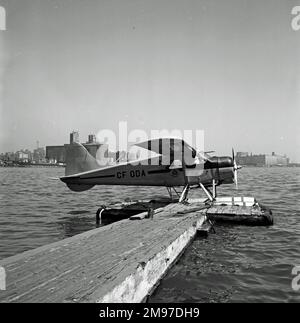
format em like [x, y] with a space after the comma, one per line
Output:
[79, 160]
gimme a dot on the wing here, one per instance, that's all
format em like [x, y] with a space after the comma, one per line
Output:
[175, 149]
[164, 145]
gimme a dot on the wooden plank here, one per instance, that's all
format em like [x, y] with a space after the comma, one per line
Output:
[120, 262]
[231, 210]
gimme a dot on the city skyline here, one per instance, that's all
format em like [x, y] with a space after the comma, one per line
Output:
[56, 155]
[23, 149]
[155, 64]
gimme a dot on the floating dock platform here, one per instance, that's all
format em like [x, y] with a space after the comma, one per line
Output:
[240, 210]
[120, 262]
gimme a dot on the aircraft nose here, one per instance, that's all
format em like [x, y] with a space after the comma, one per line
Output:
[225, 162]
[219, 162]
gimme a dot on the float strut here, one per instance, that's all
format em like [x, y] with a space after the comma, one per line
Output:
[214, 188]
[184, 193]
[210, 197]
[169, 189]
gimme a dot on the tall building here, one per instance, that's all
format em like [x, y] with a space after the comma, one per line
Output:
[276, 160]
[30, 155]
[57, 154]
[74, 137]
[91, 139]
[39, 155]
[261, 160]
[9, 157]
[21, 157]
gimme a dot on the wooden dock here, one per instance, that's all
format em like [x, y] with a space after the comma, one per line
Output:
[120, 262]
[240, 210]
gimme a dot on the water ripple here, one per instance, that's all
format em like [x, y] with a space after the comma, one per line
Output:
[236, 264]
[242, 264]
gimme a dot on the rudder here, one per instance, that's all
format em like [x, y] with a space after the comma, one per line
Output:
[79, 160]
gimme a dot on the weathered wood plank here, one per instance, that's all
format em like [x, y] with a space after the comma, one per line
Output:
[118, 262]
[241, 214]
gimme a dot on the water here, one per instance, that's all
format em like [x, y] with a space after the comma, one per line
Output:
[236, 264]
[36, 209]
[244, 264]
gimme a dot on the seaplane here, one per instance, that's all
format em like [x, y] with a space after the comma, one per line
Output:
[175, 164]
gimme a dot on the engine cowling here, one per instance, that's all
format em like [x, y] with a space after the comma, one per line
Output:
[219, 162]
[221, 176]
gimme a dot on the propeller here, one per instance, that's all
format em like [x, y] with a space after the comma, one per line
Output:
[236, 167]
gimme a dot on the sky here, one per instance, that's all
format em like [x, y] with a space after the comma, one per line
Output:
[230, 68]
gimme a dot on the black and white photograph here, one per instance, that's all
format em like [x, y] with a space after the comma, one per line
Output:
[149, 154]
